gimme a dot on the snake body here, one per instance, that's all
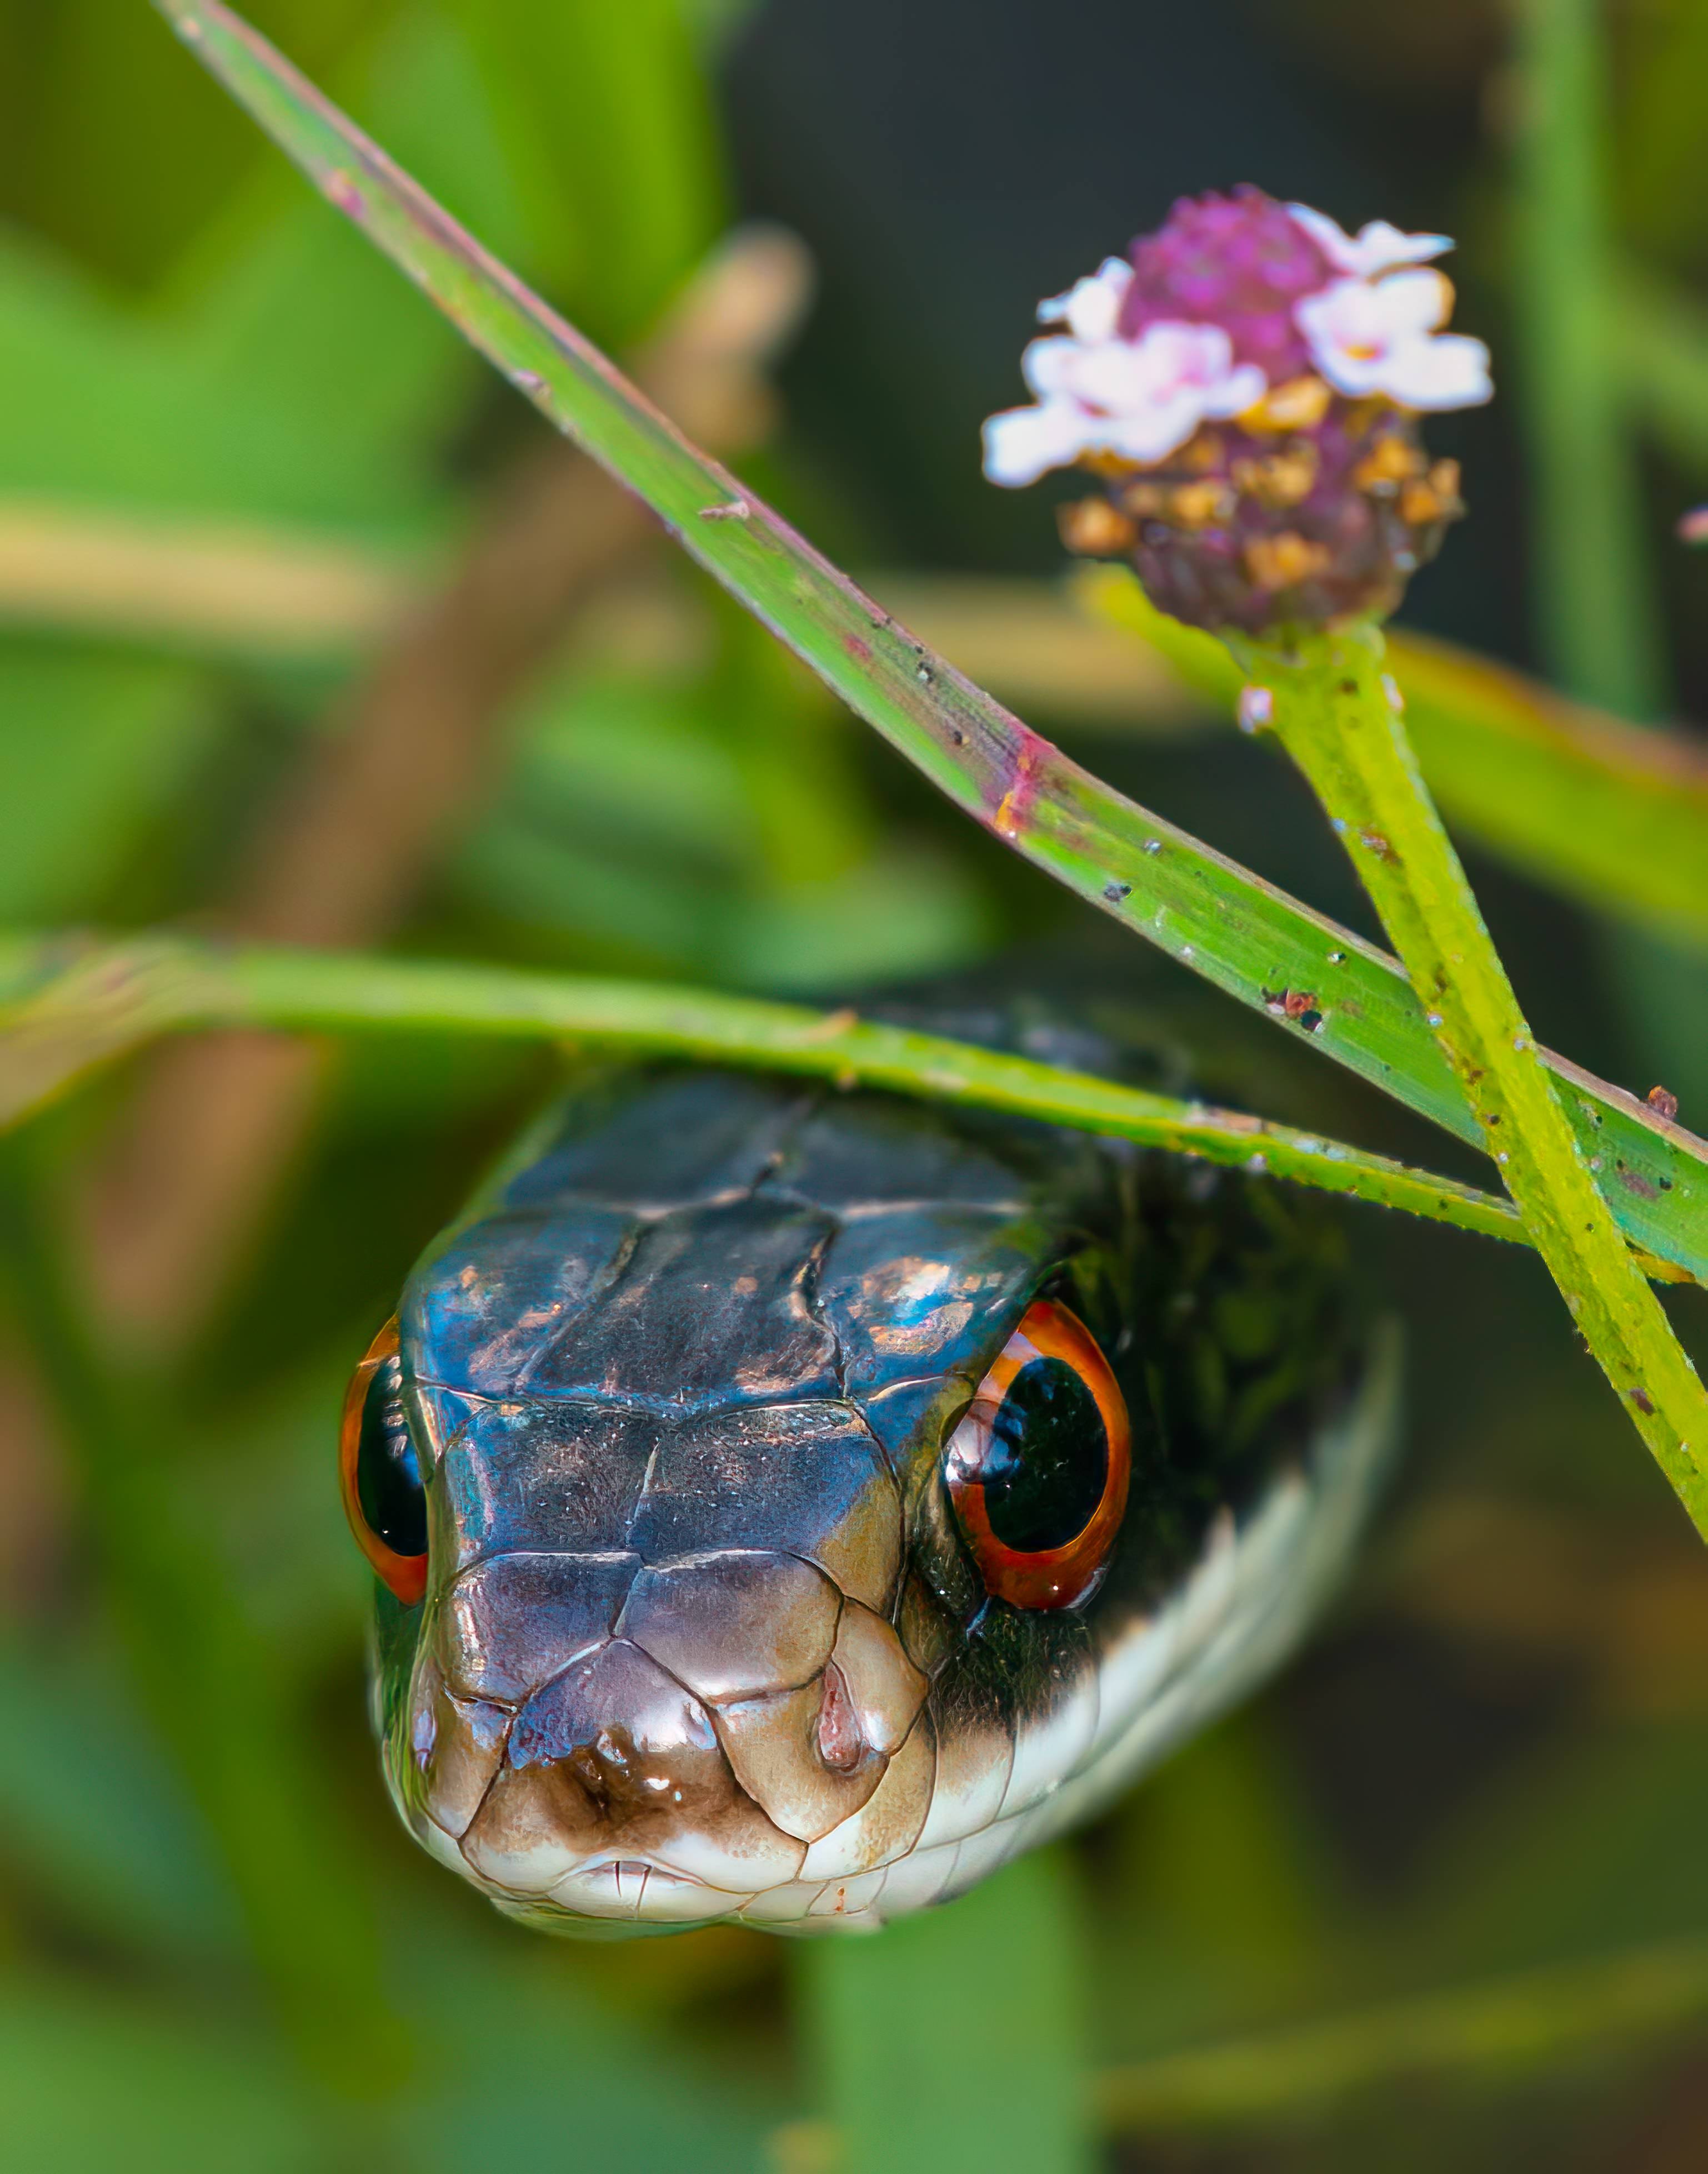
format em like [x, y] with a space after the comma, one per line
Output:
[701, 1633]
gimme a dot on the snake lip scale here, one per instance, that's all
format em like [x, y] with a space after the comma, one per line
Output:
[790, 1505]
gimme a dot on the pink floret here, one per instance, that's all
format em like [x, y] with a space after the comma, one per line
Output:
[1240, 261]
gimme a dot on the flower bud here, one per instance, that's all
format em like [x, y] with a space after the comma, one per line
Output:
[1247, 385]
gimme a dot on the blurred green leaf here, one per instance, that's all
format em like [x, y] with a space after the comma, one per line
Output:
[955, 2041]
[709, 824]
[89, 2083]
[1472, 2035]
[605, 113]
[94, 747]
[272, 300]
[1594, 603]
[102, 148]
[144, 1879]
[535, 2069]
[209, 1682]
[1660, 336]
[1660, 135]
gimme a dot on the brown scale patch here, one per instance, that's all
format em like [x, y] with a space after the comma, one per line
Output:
[615, 1758]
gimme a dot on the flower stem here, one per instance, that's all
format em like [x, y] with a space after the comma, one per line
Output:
[1338, 715]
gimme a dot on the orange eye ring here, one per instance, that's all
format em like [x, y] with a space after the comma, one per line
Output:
[405, 1574]
[981, 1461]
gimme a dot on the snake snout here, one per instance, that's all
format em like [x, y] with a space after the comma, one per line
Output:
[730, 1717]
[613, 1762]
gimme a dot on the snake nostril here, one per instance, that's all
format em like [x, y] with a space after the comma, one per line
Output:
[841, 1745]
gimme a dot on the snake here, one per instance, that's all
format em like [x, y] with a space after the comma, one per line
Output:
[789, 1501]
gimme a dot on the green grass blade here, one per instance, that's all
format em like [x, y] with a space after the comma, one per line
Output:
[1224, 924]
[952, 2042]
[1612, 813]
[66, 1012]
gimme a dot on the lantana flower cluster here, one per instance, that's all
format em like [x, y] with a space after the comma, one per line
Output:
[1247, 383]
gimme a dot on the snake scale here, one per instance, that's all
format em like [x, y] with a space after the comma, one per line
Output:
[789, 1503]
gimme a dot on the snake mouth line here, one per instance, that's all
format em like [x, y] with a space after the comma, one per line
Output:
[638, 1888]
[627, 1870]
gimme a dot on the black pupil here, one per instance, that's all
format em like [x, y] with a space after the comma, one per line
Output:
[388, 1478]
[1049, 1459]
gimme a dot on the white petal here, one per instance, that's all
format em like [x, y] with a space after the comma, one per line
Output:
[1446, 372]
[1202, 353]
[1023, 443]
[1090, 307]
[1378, 247]
[1368, 338]
[1120, 378]
[1049, 366]
[1240, 389]
[1355, 319]
[1330, 236]
[1414, 301]
[1157, 428]
[1094, 307]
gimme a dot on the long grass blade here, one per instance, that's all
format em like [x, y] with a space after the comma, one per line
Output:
[1217, 918]
[63, 1013]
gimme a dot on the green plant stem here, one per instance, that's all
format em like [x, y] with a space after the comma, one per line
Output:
[94, 1008]
[1332, 713]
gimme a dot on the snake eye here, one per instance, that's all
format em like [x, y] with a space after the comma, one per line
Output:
[1037, 1468]
[380, 1475]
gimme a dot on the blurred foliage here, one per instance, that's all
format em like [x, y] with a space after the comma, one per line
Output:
[213, 1947]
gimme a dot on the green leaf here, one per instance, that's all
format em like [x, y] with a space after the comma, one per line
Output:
[1226, 924]
[95, 746]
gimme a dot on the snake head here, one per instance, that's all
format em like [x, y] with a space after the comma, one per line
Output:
[787, 1507]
